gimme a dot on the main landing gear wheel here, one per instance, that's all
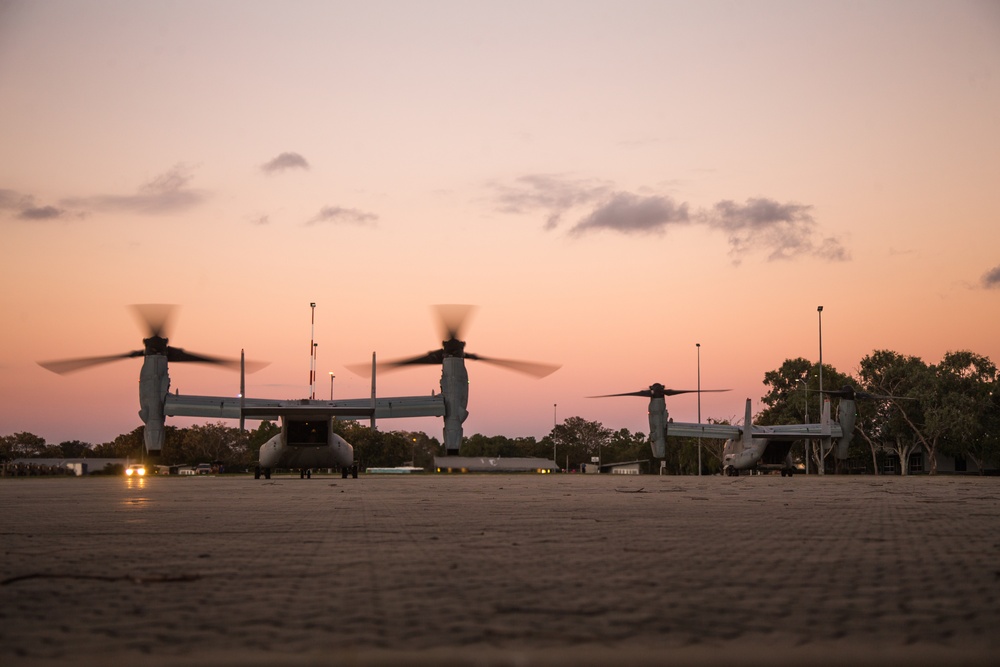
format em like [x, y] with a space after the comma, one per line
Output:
[256, 472]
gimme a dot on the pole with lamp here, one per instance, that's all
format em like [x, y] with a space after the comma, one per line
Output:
[698, 345]
[312, 352]
[805, 388]
[331, 384]
[555, 422]
[819, 311]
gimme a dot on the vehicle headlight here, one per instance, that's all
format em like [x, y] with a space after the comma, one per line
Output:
[141, 471]
[128, 472]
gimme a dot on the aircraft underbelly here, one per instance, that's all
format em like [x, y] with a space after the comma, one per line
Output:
[299, 456]
[776, 452]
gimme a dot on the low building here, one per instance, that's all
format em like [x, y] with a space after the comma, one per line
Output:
[76, 466]
[493, 464]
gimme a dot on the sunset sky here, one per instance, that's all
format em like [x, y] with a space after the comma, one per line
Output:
[610, 182]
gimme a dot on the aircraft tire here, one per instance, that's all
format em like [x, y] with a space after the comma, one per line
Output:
[354, 471]
[267, 473]
[343, 472]
[256, 472]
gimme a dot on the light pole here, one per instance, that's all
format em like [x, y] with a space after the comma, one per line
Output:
[312, 351]
[819, 312]
[312, 387]
[555, 422]
[805, 445]
[698, 345]
[331, 384]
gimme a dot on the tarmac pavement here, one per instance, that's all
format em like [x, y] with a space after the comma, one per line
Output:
[500, 570]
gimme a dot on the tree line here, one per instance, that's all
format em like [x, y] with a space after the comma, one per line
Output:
[951, 408]
[573, 443]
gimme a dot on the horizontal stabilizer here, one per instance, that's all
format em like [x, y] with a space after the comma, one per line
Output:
[308, 411]
[691, 430]
[229, 407]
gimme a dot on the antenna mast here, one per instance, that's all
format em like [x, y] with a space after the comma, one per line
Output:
[312, 354]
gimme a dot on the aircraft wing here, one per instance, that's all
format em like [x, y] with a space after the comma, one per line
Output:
[798, 431]
[689, 430]
[786, 432]
[230, 407]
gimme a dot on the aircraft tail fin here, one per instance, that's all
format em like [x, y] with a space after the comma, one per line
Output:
[827, 430]
[825, 419]
[373, 393]
[748, 425]
[243, 389]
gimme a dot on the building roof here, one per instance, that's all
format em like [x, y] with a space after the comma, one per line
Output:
[493, 464]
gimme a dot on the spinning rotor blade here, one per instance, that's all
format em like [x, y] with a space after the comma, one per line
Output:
[177, 355]
[433, 357]
[452, 319]
[850, 393]
[154, 317]
[533, 368]
[660, 390]
[365, 369]
[66, 366]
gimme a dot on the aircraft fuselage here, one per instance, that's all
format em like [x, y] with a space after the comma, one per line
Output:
[757, 453]
[336, 453]
[306, 442]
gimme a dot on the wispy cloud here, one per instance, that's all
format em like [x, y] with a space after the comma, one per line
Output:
[629, 213]
[991, 279]
[283, 162]
[781, 230]
[166, 193]
[554, 194]
[41, 213]
[22, 207]
[340, 215]
[11, 200]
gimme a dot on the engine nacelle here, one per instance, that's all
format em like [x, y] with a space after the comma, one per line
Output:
[455, 389]
[847, 413]
[658, 426]
[154, 384]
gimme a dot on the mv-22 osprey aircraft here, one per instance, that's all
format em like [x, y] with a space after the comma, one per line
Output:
[306, 439]
[750, 447]
[454, 376]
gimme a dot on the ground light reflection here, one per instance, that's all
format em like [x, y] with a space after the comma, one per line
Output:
[137, 483]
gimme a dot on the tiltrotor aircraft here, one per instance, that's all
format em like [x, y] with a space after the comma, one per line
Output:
[454, 376]
[306, 439]
[751, 447]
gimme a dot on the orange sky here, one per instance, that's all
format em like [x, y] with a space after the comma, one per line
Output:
[610, 182]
